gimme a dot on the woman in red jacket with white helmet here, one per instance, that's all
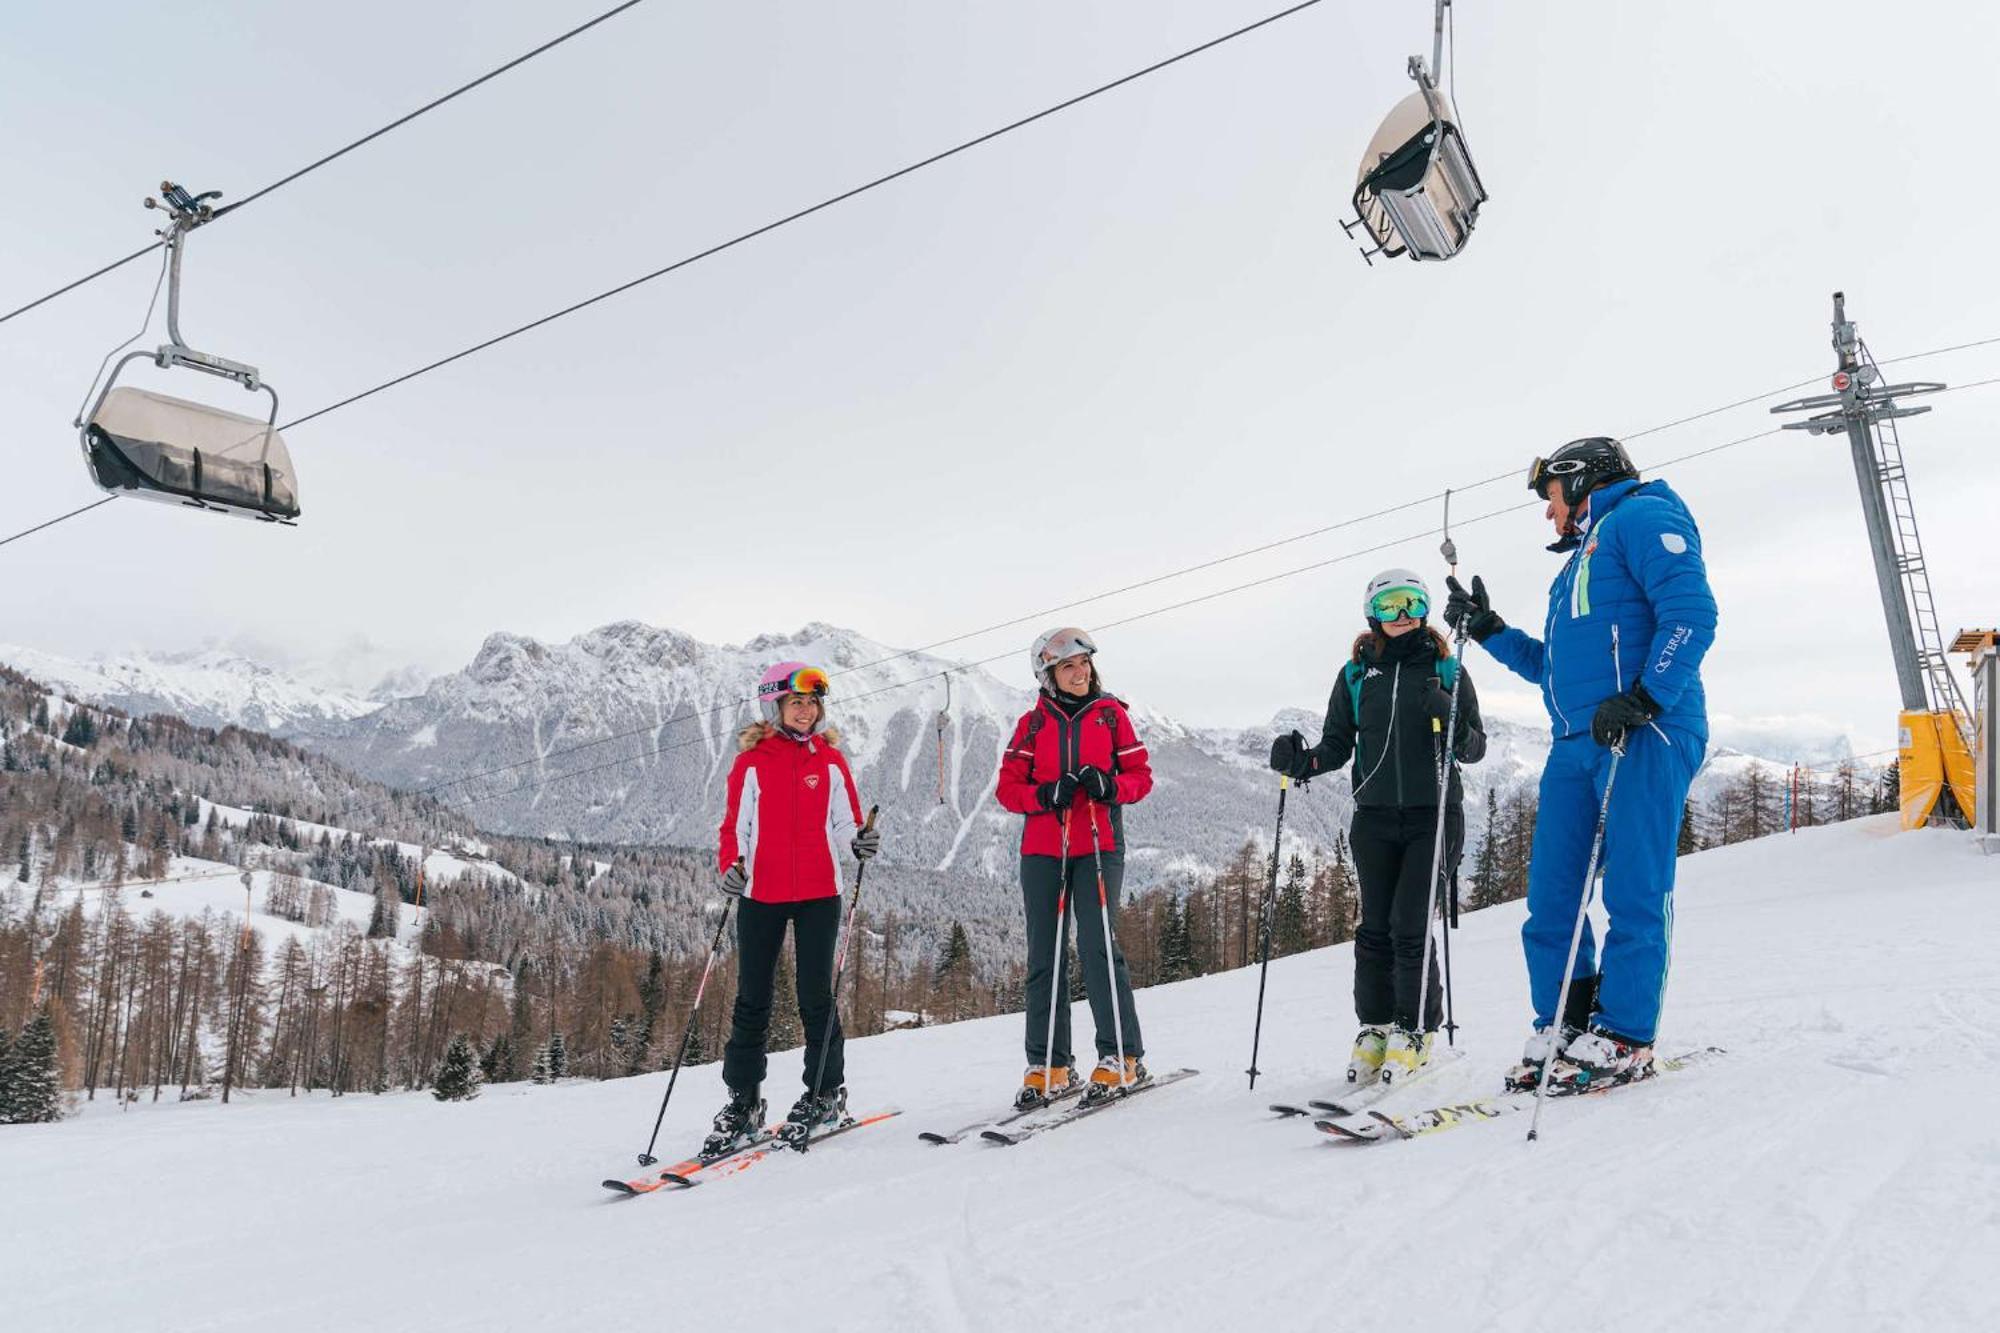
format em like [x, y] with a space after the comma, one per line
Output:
[1073, 765]
[792, 807]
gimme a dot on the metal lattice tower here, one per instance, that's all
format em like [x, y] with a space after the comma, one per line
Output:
[1866, 410]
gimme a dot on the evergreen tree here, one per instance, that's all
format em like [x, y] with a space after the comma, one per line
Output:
[539, 1071]
[1291, 932]
[497, 1065]
[1343, 894]
[558, 1057]
[786, 1032]
[1486, 864]
[1176, 946]
[1689, 840]
[1889, 793]
[30, 1085]
[952, 978]
[387, 916]
[80, 731]
[27, 856]
[458, 1075]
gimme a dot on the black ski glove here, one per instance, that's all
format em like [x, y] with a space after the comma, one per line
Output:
[1058, 794]
[1291, 756]
[1097, 784]
[1471, 612]
[735, 880]
[1622, 712]
[1437, 701]
[867, 842]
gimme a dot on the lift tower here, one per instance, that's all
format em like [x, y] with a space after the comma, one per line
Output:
[1866, 409]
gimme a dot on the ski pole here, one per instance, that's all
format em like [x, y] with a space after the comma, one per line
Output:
[839, 970]
[1110, 957]
[1447, 760]
[646, 1158]
[1589, 887]
[1450, 924]
[1056, 995]
[1576, 936]
[1264, 929]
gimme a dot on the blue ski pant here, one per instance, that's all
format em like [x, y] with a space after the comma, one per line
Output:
[1641, 834]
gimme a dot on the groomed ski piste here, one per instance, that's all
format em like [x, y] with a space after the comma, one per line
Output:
[1838, 1169]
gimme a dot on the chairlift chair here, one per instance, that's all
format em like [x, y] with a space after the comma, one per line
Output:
[1417, 192]
[154, 447]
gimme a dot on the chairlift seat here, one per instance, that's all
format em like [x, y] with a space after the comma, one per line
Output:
[1417, 191]
[150, 446]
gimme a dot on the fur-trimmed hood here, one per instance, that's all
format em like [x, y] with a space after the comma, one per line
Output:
[758, 732]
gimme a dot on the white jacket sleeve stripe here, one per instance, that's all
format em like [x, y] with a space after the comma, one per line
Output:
[746, 829]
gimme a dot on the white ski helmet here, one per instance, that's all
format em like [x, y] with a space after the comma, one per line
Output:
[1387, 585]
[1053, 647]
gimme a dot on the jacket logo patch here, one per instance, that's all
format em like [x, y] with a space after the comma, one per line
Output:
[1371, 673]
[812, 781]
[1674, 542]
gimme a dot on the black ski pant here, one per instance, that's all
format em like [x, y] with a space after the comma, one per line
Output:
[1392, 855]
[1041, 881]
[760, 934]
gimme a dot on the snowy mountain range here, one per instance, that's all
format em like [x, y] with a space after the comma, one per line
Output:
[626, 734]
[209, 687]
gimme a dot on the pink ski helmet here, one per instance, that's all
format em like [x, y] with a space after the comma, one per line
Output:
[791, 678]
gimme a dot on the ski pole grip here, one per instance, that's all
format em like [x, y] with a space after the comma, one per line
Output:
[873, 811]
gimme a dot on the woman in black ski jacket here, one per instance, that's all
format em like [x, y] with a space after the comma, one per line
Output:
[1388, 713]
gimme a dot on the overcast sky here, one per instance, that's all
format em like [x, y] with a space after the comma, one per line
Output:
[1125, 339]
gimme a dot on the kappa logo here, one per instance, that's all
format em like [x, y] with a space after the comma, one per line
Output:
[1372, 673]
[812, 781]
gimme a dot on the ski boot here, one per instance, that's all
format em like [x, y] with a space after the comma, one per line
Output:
[1364, 1066]
[1542, 1043]
[1042, 1084]
[1110, 1079]
[1600, 1058]
[1405, 1053]
[1581, 1004]
[734, 1123]
[813, 1111]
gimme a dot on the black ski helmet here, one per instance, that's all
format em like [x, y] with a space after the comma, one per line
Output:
[1582, 466]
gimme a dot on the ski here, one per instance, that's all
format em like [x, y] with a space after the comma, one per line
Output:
[664, 1177]
[743, 1161]
[1077, 1110]
[960, 1135]
[1364, 1097]
[1377, 1127]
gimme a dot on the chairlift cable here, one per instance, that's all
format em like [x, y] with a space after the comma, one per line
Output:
[398, 123]
[64, 518]
[806, 212]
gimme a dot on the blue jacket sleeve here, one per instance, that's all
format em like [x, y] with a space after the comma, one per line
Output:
[1518, 651]
[1662, 548]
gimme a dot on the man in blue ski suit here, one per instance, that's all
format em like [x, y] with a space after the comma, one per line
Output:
[1619, 662]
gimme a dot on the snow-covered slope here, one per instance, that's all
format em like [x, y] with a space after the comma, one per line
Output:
[210, 688]
[1835, 1172]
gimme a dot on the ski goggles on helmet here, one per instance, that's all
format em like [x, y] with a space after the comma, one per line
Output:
[1544, 470]
[1395, 603]
[1064, 644]
[808, 681]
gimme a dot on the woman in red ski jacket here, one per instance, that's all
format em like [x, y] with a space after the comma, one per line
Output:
[792, 808]
[1072, 767]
